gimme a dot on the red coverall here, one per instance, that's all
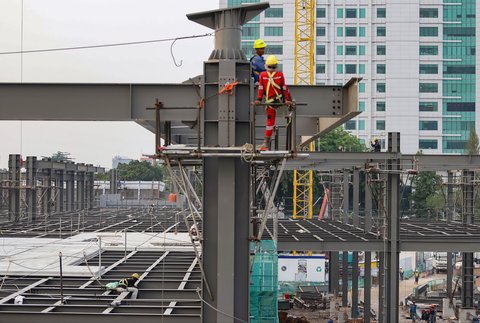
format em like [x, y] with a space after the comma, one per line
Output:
[273, 86]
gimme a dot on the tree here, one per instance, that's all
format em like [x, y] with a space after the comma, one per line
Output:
[61, 156]
[472, 146]
[328, 143]
[140, 171]
[426, 186]
[340, 138]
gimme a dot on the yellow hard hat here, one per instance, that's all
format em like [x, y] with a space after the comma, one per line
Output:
[259, 43]
[135, 275]
[271, 60]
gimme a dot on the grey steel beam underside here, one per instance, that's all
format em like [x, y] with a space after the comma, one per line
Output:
[328, 235]
[340, 160]
[67, 224]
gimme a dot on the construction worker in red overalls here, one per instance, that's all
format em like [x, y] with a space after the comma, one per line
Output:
[271, 83]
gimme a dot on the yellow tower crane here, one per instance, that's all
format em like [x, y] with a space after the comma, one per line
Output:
[304, 74]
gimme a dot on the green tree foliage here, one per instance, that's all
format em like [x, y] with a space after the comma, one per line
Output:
[140, 171]
[472, 147]
[61, 156]
[427, 189]
[102, 176]
[328, 143]
[340, 138]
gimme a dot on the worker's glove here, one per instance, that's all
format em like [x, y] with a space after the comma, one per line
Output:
[257, 102]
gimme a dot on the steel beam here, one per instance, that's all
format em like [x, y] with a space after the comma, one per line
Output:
[331, 245]
[336, 160]
[98, 318]
[444, 244]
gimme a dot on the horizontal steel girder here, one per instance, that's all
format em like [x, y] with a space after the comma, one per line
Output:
[445, 245]
[321, 106]
[342, 160]
[97, 318]
[95, 102]
[129, 102]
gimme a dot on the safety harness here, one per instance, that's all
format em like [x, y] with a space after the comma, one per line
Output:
[276, 87]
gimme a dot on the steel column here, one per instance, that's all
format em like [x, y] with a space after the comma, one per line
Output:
[333, 272]
[113, 181]
[467, 218]
[450, 197]
[80, 178]
[346, 196]
[70, 188]
[449, 274]
[345, 279]
[355, 284]
[90, 190]
[59, 185]
[47, 197]
[467, 280]
[226, 123]
[31, 191]
[356, 196]
[368, 205]
[335, 196]
[393, 225]
[14, 187]
[367, 287]
[382, 303]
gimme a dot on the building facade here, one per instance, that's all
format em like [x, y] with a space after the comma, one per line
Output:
[417, 58]
[117, 160]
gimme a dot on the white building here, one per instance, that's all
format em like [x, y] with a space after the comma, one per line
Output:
[417, 59]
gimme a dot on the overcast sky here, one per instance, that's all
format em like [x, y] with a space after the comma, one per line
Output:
[67, 23]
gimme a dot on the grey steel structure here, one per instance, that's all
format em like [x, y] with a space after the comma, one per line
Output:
[49, 187]
[228, 121]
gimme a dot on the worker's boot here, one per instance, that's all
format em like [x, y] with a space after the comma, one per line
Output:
[266, 144]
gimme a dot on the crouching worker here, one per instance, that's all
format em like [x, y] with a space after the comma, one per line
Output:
[125, 285]
[271, 84]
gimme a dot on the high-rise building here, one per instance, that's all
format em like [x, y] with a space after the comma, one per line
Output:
[417, 58]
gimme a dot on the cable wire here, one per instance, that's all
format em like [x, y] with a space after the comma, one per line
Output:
[105, 45]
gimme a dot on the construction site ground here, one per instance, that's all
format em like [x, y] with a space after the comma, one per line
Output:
[406, 288]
